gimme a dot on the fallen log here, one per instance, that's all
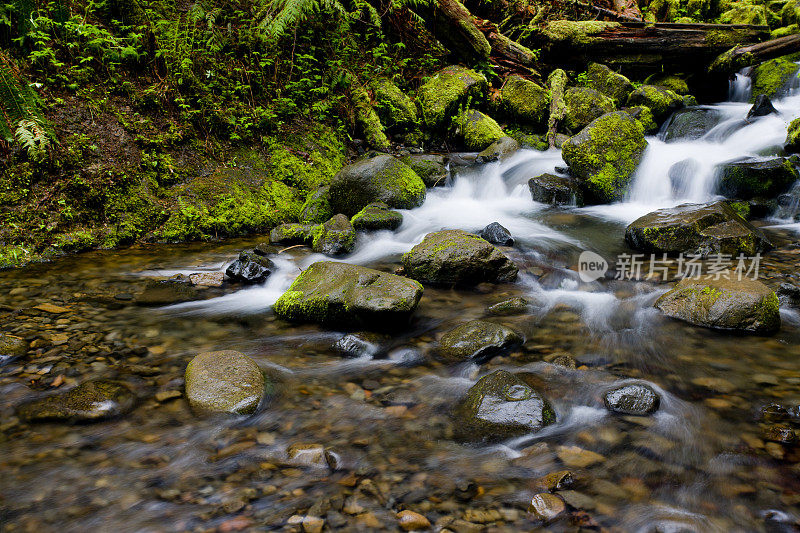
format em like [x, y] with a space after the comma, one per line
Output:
[739, 57]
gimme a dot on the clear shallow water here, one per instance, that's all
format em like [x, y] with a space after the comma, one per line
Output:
[702, 463]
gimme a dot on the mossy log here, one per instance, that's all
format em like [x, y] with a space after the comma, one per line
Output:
[739, 57]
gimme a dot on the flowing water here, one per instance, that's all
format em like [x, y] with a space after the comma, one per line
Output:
[702, 463]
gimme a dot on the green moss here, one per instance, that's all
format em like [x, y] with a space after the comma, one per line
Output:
[772, 76]
[790, 14]
[583, 106]
[440, 97]
[395, 109]
[603, 79]
[306, 159]
[663, 10]
[662, 102]
[368, 119]
[527, 139]
[742, 209]
[317, 207]
[793, 136]
[673, 83]
[644, 116]
[376, 216]
[744, 12]
[784, 31]
[576, 33]
[525, 100]
[477, 129]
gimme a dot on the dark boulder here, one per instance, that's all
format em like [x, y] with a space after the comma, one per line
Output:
[752, 178]
[495, 233]
[762, 107]
[250, 268]
[335, 237]
[555, 190]
[690, 124]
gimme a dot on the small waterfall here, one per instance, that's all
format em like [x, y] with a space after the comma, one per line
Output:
[789, 205]
[740, 86]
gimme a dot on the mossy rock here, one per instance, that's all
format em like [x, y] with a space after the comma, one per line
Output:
[606, 81]
[690, 124]
[395, 109]
[662, 102]
[368, 120]
[440, 96]
[12, 347]
[292, 234]
[527, 139]
[500, 149]
[793, 137]
[377, 216]
[702, 229]
[224, 382]
[382, 178]
[773, 77]
[512, 306]
[784, 31]
[335, 237]
[583, 106]
[477, 130]
[672, 83]
[317, 207]
[349, 295]
[744, 305]
[455, 257]
[576, 33]
[432, 168]
[501, 406]
[605, 155]
[662, 10]
[555, 190]
[744, 13]
[91, 401]
[477, 341]
[790, 13]
[525, 101]
[644, 116]
[754, 178]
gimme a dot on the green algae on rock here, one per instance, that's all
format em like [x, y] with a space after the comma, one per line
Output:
[583, 106]
[661, 101]
[772, 77]
[440, 96]
[335, 237]
[377, 216]
[477, 341]
[91, 401]
[224, 382]
[477, 130]
[525, 101]
[606, 81]
[793, 137]
[349, 295]
[317, 207]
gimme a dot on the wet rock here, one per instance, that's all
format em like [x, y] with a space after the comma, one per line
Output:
[345, 294]
[547, 507]
[377, 216]
[576, 457]
[762, 107]
[500, 149]
[789, 294]
[524, 100]
[359, 344]
[432, 168]
[793, 137]
[455, 257]
[501, 405]
[555, 190]
[634, 399]
[411, 521]
[583, 106]
[644, 116]
[477, 130]
[250, 268]
[396, 110]
[780, 433]
[752, 178]
[559, 480]
[662, 102]
[292, 234]
[746, 305]
[773, 77]
[696, 228]
[307, 454]
[224, 382]
[91, 401]
[317, 207]
[615, 86]
[477, 341]
[681, 175]
[207, 279]
[495, 233]
[381, 178]
[605, 155]
[12, 347]
[335, 237]
[691, 124]
[512, 306]
[440, 96]
[166, 292]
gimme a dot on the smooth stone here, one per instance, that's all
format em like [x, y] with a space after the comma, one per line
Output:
[411, 521]
[633, 399]
[477, 341]
[225, 382]
[359, 344]
[250, 267]
[762, 107]
[575, 457]
[546, 506]
[207, 279]
[555, 190]
[512, 306]
[91, 401]
[495, 233]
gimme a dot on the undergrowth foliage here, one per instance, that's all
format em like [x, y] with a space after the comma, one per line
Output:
[22, 119]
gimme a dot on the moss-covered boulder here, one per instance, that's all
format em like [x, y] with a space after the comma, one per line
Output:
[605, 155]
[671, 82]
[793, 137]
[317, 207]
[432, 168]
[692, 123]
[576, 33]
[382, 178]
[500, 406]
[292, 234]
[377, 216]
[455, 257]
[525, 101]
[91, 401]
[773, 77]
[440, 96]
[395, 109]
[662, 102]
[477, 130]
[644, 116]
[477, 341]
[367, 119]
[606, 81]
[349, 295]
[583, 106]
[224, 382]
[753, 178]
[696, 228]
[500, 149]
[250, 267]
[744, 13]
[335, 237]
[790, 13]
[12, 347]
[743, 305]
[555, 190]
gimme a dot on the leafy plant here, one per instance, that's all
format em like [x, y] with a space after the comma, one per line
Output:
[22, 119]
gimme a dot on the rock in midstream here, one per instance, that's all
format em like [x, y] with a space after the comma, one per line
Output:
[477, 341]
[632, 399]
[224, 382]
[91, 401]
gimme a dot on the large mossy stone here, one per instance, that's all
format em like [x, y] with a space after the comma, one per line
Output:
[455, 257]
[690, 124]
[525, 101]
[773, 77]
[500, 406]
[377, 216]
[349, 295]
[752, 178]
[703, 229]
[743, 305]
[317, 207]
[292, 234]
[382, 178]
[793, 137]
[91, 401]
[605, 155]
[583, 106]
[644, 116]
[477, 130]
[662, 102]
[477, 341]
[335, 237]
[555, 190]
[395, 109]
[432, 168]
[224, 382]
[615, 86]
[440, 96]
[744, 13]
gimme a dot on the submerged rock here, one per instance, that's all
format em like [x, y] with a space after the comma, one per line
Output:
[681, 175]
[495, 233]
[477, 130]
[762, 107]
[743, 305]
[696, 228]
[634, 399]
[292, 234]
[91, 401]
[690, 124]
[752, 178]
[500, 149]
[501, 405]
[547, 507]
[377, 216]
[440, 96]
[615, 86]
[382, 178]
[359, 344]
[477, 341]
[583, 106]
[12, 347]
[250, 268]
[224, 382]
[350, 295]
[512, 306]
[166, 292]
[605, 155]
[335, 237]
[525, 101]
[207, 279]
[555, 190]
[455, 257]
[662, 102]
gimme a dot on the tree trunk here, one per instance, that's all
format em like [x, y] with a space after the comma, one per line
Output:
[744, 56]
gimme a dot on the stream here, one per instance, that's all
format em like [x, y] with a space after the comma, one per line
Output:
[701, 463]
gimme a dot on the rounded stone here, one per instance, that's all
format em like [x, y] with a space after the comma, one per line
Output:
[226, 382]
[634, 399]
[546, 506]
[91, 401]
[477, 341]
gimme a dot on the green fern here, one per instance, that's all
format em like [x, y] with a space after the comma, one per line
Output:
[21, 117]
